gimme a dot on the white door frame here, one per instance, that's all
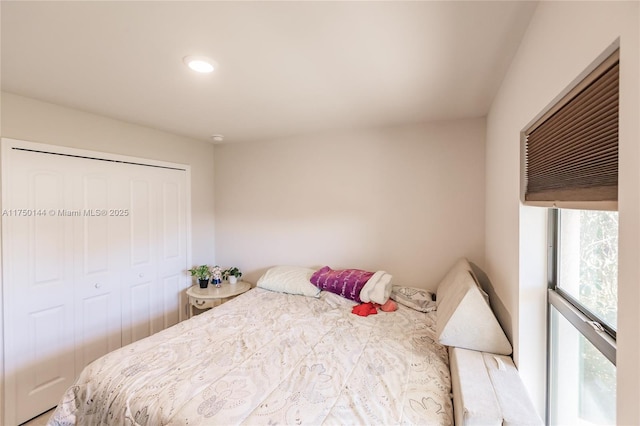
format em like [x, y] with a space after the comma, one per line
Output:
[6, 145]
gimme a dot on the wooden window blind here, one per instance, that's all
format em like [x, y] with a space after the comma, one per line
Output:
[571, 152]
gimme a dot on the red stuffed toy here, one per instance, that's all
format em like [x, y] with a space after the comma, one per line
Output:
[369, 308]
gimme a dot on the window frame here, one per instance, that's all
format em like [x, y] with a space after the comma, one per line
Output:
[589, 324]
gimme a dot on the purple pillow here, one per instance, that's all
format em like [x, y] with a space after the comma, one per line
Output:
[346, 283]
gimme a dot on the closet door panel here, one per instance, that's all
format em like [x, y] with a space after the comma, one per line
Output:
[172, 248]
[38, 284]
[140, 290]
[97, 262]
[156, 274]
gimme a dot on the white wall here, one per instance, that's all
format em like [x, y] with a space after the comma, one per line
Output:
[562, 40]
[408, 200]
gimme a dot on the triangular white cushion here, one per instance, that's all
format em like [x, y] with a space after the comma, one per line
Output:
[465, 319]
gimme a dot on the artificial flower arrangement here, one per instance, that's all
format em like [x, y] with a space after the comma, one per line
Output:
[216, 276]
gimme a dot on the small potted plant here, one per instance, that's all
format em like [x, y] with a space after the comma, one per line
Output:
[232, 274]
[202, 273]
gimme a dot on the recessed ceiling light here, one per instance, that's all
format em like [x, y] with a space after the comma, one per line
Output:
[217, 138]
[199, 63]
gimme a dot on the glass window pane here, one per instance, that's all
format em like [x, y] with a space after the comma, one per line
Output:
[588, 259]
[583, 381]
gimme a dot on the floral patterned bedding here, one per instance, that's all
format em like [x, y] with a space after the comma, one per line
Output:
[271, 358]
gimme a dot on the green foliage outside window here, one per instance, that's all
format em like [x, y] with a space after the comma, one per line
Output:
[598, 292]
[599, 264]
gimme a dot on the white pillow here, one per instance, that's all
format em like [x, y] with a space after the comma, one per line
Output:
[289, 279]
[465, 319]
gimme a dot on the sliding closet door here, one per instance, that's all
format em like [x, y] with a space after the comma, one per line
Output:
[98, 258]
[94, 257]
[172, 244]
[39, 313]
[140, 292]
[156, 256]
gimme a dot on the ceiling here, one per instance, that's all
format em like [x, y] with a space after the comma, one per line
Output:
[285, 68]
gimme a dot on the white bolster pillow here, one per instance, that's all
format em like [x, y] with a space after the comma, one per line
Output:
[487, 390]
[474, 400]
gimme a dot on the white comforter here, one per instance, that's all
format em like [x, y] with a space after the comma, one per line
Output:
[271, 358]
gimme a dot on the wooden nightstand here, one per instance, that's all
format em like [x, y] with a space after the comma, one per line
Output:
[201, 299]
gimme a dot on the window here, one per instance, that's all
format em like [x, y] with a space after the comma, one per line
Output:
[583, 296]
[588, 267]
[569, 163]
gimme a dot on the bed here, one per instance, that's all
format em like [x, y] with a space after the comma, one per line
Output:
[272, 358]
[288, 353]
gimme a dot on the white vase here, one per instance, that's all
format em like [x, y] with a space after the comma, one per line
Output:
[232, 279]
